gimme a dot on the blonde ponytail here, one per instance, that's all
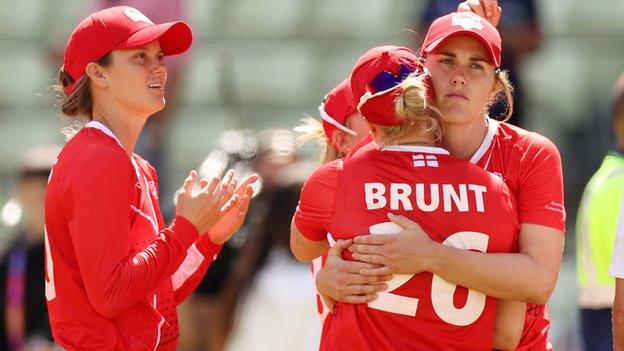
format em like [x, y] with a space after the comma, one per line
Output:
[414, 111]
[313, 130]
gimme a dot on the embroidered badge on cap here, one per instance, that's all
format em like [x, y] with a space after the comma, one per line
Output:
[137, 16]
[466, 21]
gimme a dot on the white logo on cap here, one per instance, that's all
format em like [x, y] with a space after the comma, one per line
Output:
[466, 21]
[136, 15]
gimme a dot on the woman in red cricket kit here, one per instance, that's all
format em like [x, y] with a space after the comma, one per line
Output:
[114, 272]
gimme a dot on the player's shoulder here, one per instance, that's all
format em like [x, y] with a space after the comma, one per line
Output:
[323, 183]
[91, 149]
[328, 171]
[525, 140]
[465, 170]
[363, 145]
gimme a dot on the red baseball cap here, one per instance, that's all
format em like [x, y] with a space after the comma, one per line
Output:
[375, 81]
[373, 62]
[119, 27]
[464, 23]
[335, 109]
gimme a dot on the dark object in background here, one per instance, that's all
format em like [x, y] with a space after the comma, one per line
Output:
[23, 313]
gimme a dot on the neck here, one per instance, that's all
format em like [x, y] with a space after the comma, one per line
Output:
[125, 125]
[463, 140]
[417, 140]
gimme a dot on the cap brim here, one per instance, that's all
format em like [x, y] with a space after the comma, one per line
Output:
[174, 37]
[434, 44]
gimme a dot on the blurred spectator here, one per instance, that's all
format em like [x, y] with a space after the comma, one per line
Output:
[267, 154]
[601, 222]
[23, 313]
[275, 292]
[520, 30]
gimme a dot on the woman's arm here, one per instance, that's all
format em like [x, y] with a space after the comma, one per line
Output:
[204, 251]
[528, 276]
[313, 216]
[97, 198]
[304, 249]
[509, 324]
[618, 315]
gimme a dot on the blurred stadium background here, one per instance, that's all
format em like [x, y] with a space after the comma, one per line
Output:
[261, 64]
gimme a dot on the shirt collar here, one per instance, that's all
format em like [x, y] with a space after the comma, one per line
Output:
[104, 129]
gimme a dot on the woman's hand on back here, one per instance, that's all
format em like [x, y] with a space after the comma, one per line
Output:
[410, 251]
[339, 279]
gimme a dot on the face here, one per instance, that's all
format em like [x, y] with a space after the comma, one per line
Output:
[136, 78]
[345, 141]
[356, 123]
[463, 79]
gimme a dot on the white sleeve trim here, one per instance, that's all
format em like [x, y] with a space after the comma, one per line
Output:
[191, 263]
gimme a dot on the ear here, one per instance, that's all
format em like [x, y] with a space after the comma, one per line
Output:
[96, 74]
[339, 140]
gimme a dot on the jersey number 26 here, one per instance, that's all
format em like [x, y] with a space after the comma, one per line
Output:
[441, 291]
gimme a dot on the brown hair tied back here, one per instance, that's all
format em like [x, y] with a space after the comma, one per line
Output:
[79, 103]
[505, 90]
[413, 109]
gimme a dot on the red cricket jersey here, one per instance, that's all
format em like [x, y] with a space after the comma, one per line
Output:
[458, 204]
[114, 273]
[530, 165]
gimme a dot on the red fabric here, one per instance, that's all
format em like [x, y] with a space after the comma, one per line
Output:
[530, 164]
[379, 108]
[358, 327]
[209, 250]
[374, 61]
[316, 205]
[315, 267]
[337, 105]
[536, 326]
[109, 258]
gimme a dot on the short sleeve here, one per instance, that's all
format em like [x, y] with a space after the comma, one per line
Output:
[317, 201]
[540, 193]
